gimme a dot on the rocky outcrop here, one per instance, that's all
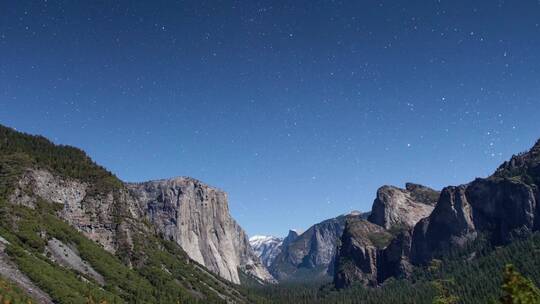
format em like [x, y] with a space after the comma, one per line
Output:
[310, 256]
[197, 217]
[359, 253]
[291, 237]
[94, 214]
[402, 208]
[524, 166]
[194, 215]
[394, 259]
[501, 207]
[266, 248]
[360, 260]
[55, 201]
[68, 257]
[505, 207]
[450, 224]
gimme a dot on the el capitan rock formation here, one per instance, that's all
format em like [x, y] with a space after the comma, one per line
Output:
[197, 217]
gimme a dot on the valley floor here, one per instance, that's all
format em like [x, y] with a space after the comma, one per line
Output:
[457, 278]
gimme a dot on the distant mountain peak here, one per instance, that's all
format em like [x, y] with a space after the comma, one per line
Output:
[295, 231]
[536, 146]
[260, 237]
[524, 166]
[500, 209]
[264, 238]
[266, 247]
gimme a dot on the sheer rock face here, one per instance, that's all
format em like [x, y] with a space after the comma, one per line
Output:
[291, 237]
[197, 217]
[192, 214]
[450, 224]
[359, 254]
[503, 206]
[402, 208]
[395, 258]
[310, 255]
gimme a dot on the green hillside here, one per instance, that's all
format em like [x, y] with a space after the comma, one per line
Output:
[158, 271]
[155, 271]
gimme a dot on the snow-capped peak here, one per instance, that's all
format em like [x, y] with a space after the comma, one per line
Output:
[266, 247]
[258, 238]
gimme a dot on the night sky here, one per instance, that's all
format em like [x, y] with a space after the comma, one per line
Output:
[300, 110]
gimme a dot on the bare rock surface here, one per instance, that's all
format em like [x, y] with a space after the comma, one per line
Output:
[197, 217]
[394, 259]
[358, 254]
[402, 208]
[68, 257]
[185, 210]
[501, 207]
[42, 184]
[90, 214]
[10, 271]
[310, 255]
[450, 224]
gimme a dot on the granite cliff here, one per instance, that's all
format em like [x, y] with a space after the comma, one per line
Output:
[402, 208]
[358, 253]
[184, 210]
[500, 208]
[84, 229]
[310, 255]
[196, 216]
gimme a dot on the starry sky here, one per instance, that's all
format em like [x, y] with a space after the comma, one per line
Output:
[300, 110]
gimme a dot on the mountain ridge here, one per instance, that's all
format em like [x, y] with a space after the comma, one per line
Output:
[266, 247]
[79, 223]
[501, 207]
[62, 199]
[197, 217]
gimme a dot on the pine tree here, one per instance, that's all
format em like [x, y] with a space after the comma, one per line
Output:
[518, 289]
[443, 293]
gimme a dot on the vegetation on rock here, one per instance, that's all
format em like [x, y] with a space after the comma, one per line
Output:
[456, 276]
[153, 271]
[11, 294]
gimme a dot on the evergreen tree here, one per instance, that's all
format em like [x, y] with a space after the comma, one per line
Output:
[518, 289]
[444, 296]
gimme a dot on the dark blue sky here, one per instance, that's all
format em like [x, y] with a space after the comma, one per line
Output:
[300, 110]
